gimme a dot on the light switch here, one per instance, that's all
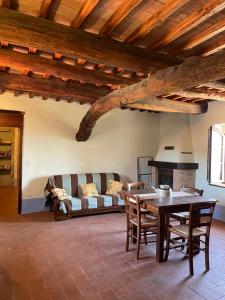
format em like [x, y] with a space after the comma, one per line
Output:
[27, 163]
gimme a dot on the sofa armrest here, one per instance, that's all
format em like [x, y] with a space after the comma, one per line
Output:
[55, 206]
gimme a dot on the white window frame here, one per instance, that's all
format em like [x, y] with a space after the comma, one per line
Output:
[216, 157]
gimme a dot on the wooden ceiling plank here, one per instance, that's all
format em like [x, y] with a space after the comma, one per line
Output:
[169, 80]
[85, 10]
[172, 106]
[55, 88]
[207, 34]
[34, 63]
[156, 19]
[119, 15]
[28, 31]
[205, 12]
[45, 9]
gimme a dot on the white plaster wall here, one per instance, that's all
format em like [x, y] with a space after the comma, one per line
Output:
[175, 131]
[49, 145]
[199, 129]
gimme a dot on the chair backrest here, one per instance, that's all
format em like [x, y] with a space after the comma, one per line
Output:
[132, 206]
[191, 190]
[201, 215]
[135, 186]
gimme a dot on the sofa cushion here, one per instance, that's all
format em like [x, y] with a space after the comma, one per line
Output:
[114, 187]
[100, 201]
[89, 189]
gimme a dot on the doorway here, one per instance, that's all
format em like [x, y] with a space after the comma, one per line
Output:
[11, 134]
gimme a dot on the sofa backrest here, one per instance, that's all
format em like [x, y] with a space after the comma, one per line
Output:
[71, 182]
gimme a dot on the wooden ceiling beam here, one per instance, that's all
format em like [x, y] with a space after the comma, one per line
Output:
[10, 4]
[46, 9]
[166, 81]
[201, 93]
[33, 63]
[207, 34]
[119, 15]
[156, 19]
[208, 10]
[213, 48]
[172, 106]
[217, 85]
[21, 29]
[53, 88]
[85, 10]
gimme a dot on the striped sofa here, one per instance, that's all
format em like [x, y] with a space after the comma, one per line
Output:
[77, 204]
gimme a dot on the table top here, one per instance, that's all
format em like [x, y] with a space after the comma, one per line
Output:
[174, 203]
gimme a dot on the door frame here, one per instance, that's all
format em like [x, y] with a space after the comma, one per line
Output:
[13, 118]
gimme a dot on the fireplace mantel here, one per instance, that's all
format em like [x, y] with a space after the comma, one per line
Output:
[173, 165]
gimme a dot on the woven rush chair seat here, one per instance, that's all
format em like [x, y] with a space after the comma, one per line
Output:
[145, 221]
[183, 230]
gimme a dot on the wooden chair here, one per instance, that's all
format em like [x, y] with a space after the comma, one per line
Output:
[184, 216]
[190, 234]
[140, 186]
[138, 225]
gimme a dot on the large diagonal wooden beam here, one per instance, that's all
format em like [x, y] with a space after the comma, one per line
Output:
[27, 62]
[28, 31]
[208, 10]
[164, 105]
[192, 72]
[156, 19]
[84, 93]
[119, 15]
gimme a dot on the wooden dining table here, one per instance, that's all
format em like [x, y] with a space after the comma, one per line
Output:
[162, 206]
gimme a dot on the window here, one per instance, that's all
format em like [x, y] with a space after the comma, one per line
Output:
[216, 168]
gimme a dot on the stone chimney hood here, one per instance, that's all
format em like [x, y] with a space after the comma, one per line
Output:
[175, 142]
[174, 163]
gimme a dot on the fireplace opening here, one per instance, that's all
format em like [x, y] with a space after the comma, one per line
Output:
[165, 176]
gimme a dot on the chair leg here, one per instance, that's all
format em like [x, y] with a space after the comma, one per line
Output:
[145, 235]
[167, 245]
[182, 222]
[128, 235]
[190, 253]
[138, 241]
[207, 253]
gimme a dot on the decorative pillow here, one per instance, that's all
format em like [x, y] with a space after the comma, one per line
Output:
[89, 189]
[60, 193]
[114, 187]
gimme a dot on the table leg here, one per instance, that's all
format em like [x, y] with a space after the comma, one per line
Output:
[161, 227]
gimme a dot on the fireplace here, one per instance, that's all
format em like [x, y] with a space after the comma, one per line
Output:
[173, 174]
[165, 176]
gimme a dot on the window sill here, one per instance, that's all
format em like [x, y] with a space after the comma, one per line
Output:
[219, 184]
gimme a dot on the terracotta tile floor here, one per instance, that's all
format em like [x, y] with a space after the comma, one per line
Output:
[85, 258]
